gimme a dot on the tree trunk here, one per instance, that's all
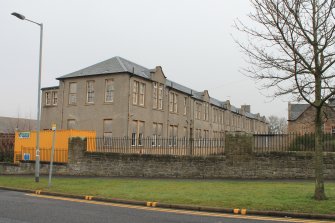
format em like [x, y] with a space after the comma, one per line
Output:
[319, 193]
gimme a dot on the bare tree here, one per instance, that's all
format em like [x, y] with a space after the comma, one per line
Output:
[277, 125]
[291, 49]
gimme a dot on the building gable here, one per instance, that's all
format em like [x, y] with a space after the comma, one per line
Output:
[205, 96]
[296, 110]
[157, 75]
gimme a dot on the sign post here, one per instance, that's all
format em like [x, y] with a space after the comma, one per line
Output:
[52, 152]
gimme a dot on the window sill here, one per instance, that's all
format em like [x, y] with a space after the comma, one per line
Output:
[141, 106]
[88, 104]
[156, 109]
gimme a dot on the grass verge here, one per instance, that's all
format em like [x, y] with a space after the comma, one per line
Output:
[294, 196]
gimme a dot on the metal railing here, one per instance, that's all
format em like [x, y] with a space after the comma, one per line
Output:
[291, 142]
[157, 146]
[29, 154]
[262, 143]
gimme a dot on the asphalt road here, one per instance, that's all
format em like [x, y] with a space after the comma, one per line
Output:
[17, 207]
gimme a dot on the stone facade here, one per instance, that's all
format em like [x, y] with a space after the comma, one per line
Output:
[140, 102]
[239, 162]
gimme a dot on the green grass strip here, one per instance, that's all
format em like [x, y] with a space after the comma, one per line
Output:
[294, 196]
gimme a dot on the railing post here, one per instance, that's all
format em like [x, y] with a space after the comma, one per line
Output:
[191, 144]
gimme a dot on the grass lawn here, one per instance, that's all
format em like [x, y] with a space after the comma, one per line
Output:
[295, 196]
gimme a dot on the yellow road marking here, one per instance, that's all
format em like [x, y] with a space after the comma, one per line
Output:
[197, 213]
[236, 211]
[88, 198]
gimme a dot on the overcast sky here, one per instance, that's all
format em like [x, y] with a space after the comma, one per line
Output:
[190, 39]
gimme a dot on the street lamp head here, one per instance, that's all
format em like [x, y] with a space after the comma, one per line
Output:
[19, 15]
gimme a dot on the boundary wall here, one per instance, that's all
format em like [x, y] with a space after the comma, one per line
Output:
[239, 162]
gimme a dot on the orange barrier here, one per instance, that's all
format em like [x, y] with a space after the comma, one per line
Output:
[25, 144]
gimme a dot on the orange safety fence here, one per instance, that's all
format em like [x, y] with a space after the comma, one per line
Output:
[25, 142]
[60, 154]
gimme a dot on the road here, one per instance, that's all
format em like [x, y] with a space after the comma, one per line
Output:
[17, 207]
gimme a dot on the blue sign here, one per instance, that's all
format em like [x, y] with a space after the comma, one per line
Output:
[24, 135]
[26, 156]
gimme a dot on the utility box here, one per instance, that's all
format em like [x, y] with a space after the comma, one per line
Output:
[25, 143]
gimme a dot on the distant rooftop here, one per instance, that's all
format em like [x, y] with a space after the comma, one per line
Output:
[9, 125]
[295, 110]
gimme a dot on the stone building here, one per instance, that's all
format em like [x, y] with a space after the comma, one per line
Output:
[119, 98]
[301, 118]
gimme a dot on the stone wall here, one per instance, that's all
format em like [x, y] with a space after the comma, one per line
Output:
[29, 168]
[239, 162]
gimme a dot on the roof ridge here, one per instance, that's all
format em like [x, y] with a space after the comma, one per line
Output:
[133, 63]
[121, 63]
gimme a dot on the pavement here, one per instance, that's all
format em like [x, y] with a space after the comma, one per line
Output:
[182, 207]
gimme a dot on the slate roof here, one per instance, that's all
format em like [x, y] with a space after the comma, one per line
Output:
[250, 115]
[178, 87]
[197, 95]
[120, 65]
[111, 66]
[234, 109]
[296, 110]
[50, 88]
[216, 102]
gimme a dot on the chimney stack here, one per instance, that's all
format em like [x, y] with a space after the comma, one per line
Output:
[246, 108]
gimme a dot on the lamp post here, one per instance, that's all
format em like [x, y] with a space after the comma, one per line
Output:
[37, 160]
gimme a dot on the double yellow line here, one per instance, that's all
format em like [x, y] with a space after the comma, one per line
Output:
[151, 207]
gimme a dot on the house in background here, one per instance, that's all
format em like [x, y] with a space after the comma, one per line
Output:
[119, 98]
[301, 118]
[10, 125]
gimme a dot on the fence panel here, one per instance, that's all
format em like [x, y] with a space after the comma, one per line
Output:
[291, 142]
[157, 146]
[60, 155]
[7, 147]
